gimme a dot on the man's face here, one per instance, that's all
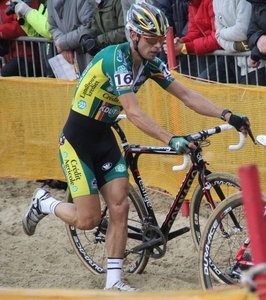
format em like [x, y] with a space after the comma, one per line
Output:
[149, 46]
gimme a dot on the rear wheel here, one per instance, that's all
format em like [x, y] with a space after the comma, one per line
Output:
[220, 186]
[89, 245]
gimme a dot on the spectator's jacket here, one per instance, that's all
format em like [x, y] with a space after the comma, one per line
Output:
[108, 24]
[67, 20]
[36, 23]
[200, 38]
[10, 29]
[257, 28]
[231, 22]
[176, 12]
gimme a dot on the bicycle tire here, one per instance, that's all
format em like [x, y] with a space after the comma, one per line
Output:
[90, 248]
[218, 249]
[200, 210]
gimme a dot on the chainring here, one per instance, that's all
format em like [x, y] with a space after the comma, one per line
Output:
[153, 233]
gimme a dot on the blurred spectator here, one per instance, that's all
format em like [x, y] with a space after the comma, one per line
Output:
[15, 63]
[257, 43]
[200, 38]
[231, 33]
[34, 22]
[107, 27]
[67, 20]
[126, 5]
[176, 12]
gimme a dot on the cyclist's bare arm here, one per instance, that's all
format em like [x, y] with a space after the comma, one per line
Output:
[198, 102]
[195, 101]
[131, 107]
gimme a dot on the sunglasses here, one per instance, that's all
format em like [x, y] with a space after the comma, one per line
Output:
[152, 40]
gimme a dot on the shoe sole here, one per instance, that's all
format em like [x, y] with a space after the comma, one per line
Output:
[24, 222]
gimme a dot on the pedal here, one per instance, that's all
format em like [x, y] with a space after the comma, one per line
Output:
[178, 232]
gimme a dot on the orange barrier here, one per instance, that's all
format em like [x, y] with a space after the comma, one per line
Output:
[57, 294]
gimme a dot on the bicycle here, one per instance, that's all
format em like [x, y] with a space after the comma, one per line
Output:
[145, 237]
[224, 251]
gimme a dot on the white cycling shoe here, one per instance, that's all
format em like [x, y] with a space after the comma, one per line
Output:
[121, 287]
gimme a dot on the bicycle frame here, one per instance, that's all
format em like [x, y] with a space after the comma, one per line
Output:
[198, 166]
[132, 154]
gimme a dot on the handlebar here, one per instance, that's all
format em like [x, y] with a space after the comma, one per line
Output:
[261, 139]
[201, 135]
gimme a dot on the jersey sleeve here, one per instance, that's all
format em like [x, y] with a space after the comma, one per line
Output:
[160, 73]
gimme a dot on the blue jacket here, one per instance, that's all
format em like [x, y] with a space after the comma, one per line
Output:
[257, 28]
[176, 12]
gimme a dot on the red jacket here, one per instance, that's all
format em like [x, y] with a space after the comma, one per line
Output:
[200, 38]
[10, 29]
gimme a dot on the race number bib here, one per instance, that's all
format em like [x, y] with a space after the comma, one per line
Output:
[123, 80]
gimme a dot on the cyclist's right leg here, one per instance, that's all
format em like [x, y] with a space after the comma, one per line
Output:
[115, 196]
[89, 245]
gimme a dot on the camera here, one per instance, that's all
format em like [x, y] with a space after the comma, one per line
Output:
[11, 9]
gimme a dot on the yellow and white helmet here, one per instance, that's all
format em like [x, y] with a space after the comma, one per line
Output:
[146, 19]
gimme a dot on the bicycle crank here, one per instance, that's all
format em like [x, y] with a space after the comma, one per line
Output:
[155, 241]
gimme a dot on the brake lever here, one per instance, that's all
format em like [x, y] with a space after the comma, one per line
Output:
[247, 127]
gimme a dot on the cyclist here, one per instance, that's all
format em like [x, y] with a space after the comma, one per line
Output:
[89, 153]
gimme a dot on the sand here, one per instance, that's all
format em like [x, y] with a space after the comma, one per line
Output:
[47, 259]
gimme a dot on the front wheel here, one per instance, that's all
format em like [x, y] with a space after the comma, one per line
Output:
[222, 257]
[218, 186]
[89, 245]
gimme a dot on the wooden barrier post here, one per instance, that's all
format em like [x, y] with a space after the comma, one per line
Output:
[253, 206]
[171, 49]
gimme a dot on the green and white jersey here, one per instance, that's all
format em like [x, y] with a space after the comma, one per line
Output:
[109, 75]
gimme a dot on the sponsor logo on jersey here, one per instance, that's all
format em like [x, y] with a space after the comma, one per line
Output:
[119, 56]
[120, 168]
[90, 87]
[73, 171]
[111, 111]
[62, 140]
[107, 166]
[94, 185]
[82, 104]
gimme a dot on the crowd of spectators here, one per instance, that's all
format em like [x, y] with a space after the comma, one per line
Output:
[79, 29]
[231, 33]
[10, 28]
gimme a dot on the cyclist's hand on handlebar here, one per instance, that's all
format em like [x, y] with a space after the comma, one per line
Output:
[241, 123]
[180, 144]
